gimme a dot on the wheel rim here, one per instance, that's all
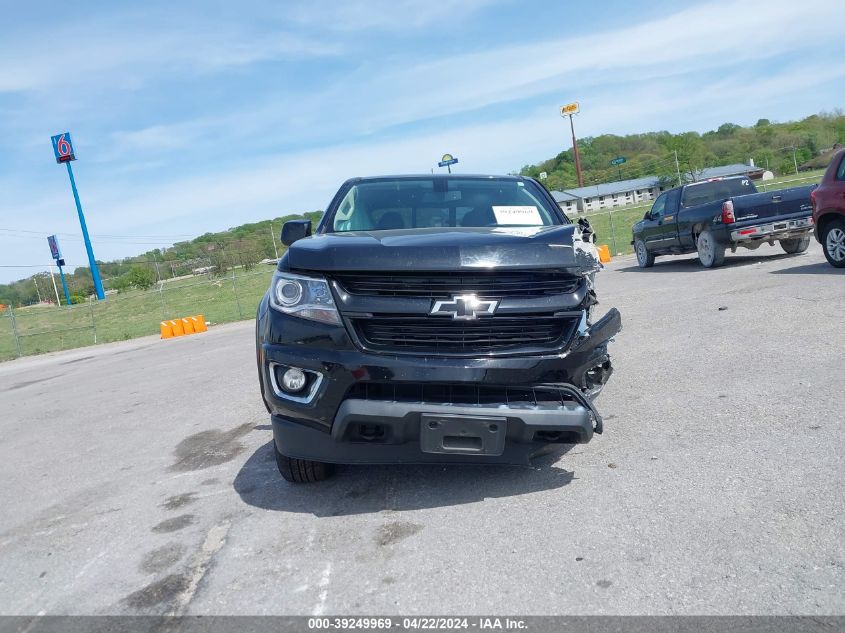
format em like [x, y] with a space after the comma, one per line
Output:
[835, 244]
[641, 254]
[705, 248]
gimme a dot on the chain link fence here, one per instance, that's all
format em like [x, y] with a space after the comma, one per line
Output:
[37, 329]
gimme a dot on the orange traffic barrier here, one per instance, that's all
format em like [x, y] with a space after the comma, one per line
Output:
[604, 253]
[199, 323]
[183, 326]
[178, 330]
[187, 325]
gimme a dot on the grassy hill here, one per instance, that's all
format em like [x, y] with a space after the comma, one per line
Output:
[776, 146]
[241, 247]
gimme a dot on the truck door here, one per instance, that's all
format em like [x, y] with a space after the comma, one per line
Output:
[669, 224]
[653, 224]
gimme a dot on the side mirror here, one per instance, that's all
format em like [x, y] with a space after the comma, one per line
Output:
[294, 230]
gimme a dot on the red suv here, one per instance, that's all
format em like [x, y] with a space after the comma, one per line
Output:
[829, 211]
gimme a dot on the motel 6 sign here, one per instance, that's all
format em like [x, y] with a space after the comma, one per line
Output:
[63, 148]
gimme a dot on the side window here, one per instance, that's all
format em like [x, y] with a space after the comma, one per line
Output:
[840, 173]
[672, 197]
[658, 207]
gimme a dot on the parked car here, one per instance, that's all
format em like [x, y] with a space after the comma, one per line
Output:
[712, 216]
[437, 318]
[829, 211]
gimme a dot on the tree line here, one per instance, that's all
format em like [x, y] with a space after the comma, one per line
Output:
[217, 253]
[778, 147]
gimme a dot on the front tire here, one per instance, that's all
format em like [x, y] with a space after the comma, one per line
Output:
[644, 258]
[710, 252]
[301, 471]
[833, 243]
[795, 245]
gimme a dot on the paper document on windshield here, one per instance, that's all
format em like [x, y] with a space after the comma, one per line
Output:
[524, 215]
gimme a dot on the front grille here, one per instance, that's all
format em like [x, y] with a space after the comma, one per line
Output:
[444, 335]
[458, 394]
[443, 285]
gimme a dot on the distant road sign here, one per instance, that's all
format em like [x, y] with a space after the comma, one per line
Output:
[618, 160]
[54, 247]
[543, 175]
[570, 108]
[447, 160]
[63, 147]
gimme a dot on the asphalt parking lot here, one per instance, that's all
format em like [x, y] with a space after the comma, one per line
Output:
[138, 478]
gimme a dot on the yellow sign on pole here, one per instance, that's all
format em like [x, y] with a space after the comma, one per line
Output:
[569, 108]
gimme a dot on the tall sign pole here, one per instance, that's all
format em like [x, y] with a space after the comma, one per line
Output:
[63, 150]
[571, 109]
[56, 252]
[618, 161]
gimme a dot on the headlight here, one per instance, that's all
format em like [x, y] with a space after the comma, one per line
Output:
[304, 297]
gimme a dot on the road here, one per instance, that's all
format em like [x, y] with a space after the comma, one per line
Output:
[138, 477]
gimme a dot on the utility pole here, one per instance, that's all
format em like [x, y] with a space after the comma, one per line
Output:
[155, 263]
[37, 290]
[678, 168]
[273, 235]
[55, 288]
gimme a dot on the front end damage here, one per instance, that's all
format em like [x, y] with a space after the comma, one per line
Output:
[399, 380]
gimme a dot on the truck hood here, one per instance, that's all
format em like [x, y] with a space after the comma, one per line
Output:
[444, 249]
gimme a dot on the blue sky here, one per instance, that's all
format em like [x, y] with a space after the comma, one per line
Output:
[197, 116]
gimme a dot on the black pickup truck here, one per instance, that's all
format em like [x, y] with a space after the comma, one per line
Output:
[435, 318]
[723, 213]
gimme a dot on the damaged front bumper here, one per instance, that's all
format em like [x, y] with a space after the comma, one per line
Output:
[377, 408]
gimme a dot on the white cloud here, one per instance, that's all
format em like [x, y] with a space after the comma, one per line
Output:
[688, 40]
[127, 52]
[384, 15]
[379, 95]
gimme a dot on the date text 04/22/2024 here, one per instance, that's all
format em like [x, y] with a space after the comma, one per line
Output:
[416, 623]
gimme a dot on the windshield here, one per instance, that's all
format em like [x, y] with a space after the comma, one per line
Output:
[416, 203]
[716, 190]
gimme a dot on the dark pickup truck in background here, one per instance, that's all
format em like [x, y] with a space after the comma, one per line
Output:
[723, 213]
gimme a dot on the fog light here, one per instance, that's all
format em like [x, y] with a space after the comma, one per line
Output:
[294, 380]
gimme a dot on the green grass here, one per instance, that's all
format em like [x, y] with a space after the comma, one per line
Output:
[613, 227]
[132, 314]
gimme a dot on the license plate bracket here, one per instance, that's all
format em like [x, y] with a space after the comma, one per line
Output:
[456, 434]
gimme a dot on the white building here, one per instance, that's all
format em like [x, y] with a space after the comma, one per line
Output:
[610, 195]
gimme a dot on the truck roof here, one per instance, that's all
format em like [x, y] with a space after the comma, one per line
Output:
[718, 179]
[438, 176]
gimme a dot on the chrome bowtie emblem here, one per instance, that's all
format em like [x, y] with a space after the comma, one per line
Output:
[465, 307]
